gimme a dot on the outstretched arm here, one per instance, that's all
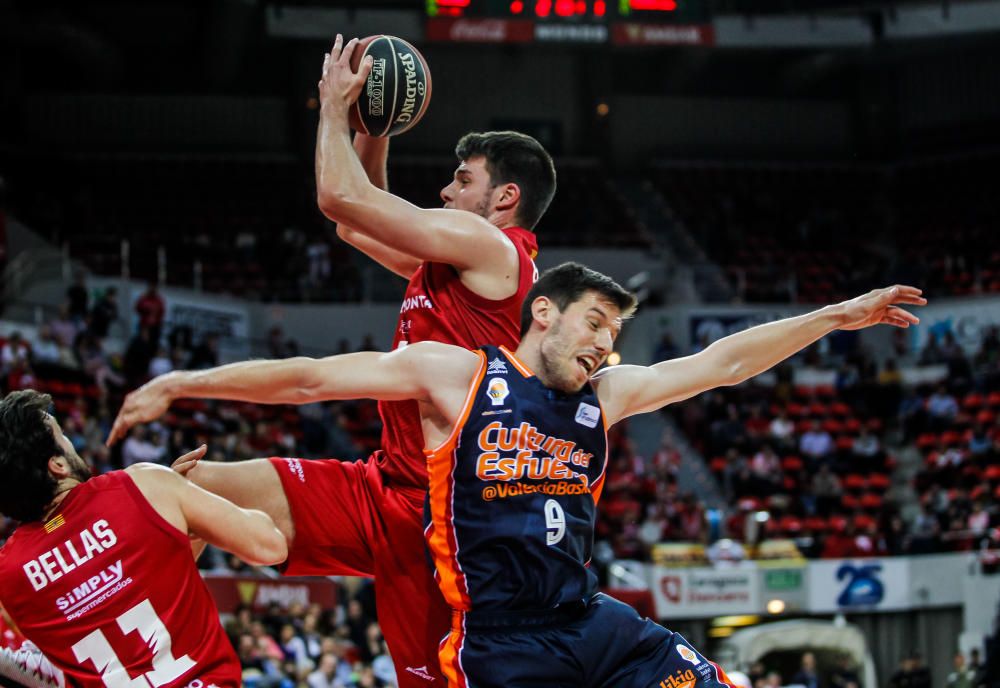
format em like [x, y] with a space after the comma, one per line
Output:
[346, 195]
[249, 534]
[627, 390]
[407, 373]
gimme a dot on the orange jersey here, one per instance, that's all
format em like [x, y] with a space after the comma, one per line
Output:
[438, 307]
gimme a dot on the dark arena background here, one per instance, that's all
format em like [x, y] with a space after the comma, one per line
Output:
[731, 161]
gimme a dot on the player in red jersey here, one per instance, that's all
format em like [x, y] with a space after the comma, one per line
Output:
[100, 574]
[469, 266]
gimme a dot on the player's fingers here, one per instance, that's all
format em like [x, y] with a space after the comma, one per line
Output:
[901, 314]
[345, 56]
[908, 294]
[338, 44]
[195, 454]
[365, 68]
[116, 431]
[183, 468]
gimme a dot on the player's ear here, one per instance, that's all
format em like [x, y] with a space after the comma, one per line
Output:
[543, 311]
[509, 196]
[59, 467]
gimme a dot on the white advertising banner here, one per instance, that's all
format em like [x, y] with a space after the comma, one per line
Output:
[696, 593]
[859, 585]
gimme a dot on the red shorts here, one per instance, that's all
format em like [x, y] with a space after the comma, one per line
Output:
[348, 522]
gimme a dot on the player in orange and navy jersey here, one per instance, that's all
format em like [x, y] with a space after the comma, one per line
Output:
[469, 266]
[100, 575]
[516, 451]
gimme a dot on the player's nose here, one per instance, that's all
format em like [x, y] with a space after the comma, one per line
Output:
[446, 194]
[604, 342]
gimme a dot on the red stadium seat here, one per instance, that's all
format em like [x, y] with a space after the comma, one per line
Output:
[871, 501]
[792, 464]
[864, 522]
[790, 525]
[951, 438]
[833, 426]
[855, 482]
[973, 401]
[815, 524]
[841, 409]
[878, 481]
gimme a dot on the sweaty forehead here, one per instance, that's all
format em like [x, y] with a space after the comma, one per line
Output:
[472, 164]
[604, 307]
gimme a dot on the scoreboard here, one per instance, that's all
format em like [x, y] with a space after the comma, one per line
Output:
[667, 11]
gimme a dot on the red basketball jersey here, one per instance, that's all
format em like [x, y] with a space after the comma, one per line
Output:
[109, 591]
[439, 308]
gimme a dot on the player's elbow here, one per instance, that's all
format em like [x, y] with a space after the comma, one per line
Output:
[270, 548]
[345, 206]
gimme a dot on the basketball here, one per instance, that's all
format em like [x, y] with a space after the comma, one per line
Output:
[398, 90]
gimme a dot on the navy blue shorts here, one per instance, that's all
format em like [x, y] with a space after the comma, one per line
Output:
[601, 644]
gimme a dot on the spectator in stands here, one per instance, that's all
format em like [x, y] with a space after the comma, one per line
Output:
[666, 349]
[866, 445]
[979, 440]
[942, 408]
[138, 447]
[806, 675]
[782, 430]
[151, 310]
[961, 676]
[93, 360]
[382, 667]
[20, 376]
[294, 649]
[104, 313]
[765, 467]
[276, 342]
[63, 328]
[15, 351]
[844, 675]
[160, 363]
[368, 343]
[976, 666]
[931, 353]
[816, 443]
[979, 519]
[757, 426]
[903, 676]
[912, 414]
[138, 356]
[730, 431]
[325, 675]
[925, 532]
[206, 354]
[826, 489]
[921, 676]
[78, 299]
[45, 348]
[897, 540]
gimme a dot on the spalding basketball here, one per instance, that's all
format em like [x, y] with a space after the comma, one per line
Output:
[398, 89]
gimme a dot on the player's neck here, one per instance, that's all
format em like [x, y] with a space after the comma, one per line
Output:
[63, 488]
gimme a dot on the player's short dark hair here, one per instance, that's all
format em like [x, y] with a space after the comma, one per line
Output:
[515, 158]
[26, 445]
[567, 283]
